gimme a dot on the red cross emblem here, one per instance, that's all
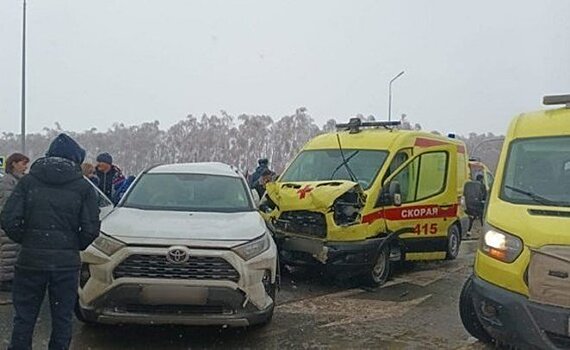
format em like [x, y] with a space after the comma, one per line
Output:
[304, 191]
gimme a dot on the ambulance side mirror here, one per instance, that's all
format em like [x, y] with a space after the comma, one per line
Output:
[390, 194]
[395, 193]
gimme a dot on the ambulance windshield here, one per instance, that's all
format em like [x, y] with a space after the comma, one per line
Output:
[538, 172]
[324, 165]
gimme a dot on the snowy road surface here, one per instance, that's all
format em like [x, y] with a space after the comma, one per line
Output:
[417, 309]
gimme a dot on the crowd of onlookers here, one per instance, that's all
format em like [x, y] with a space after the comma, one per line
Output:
[104, 174]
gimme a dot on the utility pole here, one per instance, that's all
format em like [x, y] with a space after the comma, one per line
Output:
[23, 97]
[390, 94]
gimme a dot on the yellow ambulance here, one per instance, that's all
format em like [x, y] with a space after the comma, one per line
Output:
[519, 293]
[358, 199]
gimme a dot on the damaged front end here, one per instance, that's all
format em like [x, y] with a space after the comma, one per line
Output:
[308, 218]
[306, 208]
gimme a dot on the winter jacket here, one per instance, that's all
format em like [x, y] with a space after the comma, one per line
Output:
[110, 180]
[8, 249]
[256, 175]
[53, 214]
[122, 189]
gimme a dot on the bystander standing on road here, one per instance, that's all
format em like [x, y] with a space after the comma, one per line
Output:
[53, 214]
[16, 166]
[110, 176]
[262, 165]
[266, 177]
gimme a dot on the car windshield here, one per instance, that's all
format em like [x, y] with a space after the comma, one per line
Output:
[538, 172]
[323, 165]
[189, 192]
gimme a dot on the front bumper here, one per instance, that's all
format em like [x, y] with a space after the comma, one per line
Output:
[345, 256]
[513, 319]
[155, 300]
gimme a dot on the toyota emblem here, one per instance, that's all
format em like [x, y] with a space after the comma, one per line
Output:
[177, 255]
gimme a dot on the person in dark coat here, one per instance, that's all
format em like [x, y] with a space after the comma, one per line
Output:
[266, 177]
[263, 164]
[53, 214]
[110, 176]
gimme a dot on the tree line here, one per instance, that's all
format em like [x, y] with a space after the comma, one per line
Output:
[239, 141]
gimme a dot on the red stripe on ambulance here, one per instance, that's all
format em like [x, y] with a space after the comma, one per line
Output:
[410, 213]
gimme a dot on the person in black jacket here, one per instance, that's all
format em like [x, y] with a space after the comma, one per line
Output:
[53, 214]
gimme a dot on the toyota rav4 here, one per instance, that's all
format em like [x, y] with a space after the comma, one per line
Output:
[184, 246]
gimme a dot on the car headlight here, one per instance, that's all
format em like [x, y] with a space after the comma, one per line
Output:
[254, 248]
[107, 245]
[501, 245]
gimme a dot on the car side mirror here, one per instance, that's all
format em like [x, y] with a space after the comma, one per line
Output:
[256, 199]
[474, 193]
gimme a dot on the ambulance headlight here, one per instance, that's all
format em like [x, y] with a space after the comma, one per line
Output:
[500, 245]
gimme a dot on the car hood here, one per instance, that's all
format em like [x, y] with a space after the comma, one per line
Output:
[310, 195]
[537, 226]
[136, 226]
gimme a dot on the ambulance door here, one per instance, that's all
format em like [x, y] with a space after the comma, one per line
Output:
[429, 203]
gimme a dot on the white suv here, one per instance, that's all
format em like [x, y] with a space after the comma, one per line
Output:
[184, 246]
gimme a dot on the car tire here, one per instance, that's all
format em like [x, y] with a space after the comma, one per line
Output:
[468, 315]
[453, 242]
[380, 272]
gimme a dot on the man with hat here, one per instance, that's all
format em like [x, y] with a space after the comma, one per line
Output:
[110, 176]
[53, 214]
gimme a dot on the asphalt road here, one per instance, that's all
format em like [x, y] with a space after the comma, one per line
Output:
[417, 309]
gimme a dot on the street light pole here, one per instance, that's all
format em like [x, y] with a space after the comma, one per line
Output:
[390, 94]
[23, 97]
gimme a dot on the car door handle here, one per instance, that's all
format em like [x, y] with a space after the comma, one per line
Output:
[446, 206]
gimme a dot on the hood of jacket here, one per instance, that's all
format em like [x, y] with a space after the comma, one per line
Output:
[55, 170]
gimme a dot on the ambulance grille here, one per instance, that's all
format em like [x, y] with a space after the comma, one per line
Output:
[549, 275]
[303, 222]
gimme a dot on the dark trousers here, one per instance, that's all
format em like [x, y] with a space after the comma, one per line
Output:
[29, 290]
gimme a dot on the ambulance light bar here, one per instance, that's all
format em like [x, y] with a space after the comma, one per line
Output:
[355, 124]
[556, 100]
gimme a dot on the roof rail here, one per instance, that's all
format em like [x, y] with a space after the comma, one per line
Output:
[355, 124]
[556, 100]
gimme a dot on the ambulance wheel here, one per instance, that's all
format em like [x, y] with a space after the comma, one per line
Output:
[468, 315]
[453, 242]
[380, 271]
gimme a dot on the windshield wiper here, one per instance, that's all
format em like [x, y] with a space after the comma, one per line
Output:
[343, 163]
[537, 198]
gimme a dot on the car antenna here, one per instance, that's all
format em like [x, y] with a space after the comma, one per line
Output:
[344, 160]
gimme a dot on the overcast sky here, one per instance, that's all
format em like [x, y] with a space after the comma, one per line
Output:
[469, 66]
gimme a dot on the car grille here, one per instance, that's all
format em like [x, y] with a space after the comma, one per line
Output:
[303, 222]
[156, 266]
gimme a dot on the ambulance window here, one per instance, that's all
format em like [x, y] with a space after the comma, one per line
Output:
[407, 178]
[400, 158]
[424, 177]
[433, 173]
